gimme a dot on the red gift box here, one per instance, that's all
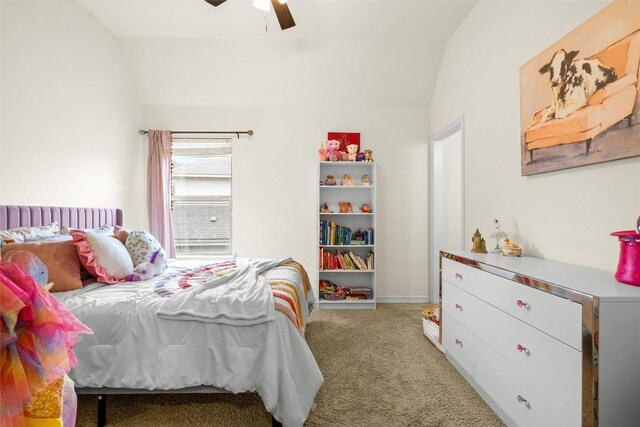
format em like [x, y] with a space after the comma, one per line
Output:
[345, 138]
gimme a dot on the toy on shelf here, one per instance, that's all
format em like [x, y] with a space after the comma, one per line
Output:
[359, 156]
[479, 245]
[365, 208]
[333, 151]
[325, 208]
[330, 180]
[322, 151]
[511, 248]
[347, 181]
[352, 152]
[366, 180]
[368, 155]
[345, 207]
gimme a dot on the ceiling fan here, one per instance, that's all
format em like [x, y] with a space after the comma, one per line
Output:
[280, 7]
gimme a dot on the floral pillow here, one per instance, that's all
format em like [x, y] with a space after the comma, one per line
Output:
[141, 246]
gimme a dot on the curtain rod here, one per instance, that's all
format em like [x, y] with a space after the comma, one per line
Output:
[216, 132]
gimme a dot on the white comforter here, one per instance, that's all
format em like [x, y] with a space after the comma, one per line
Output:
[133, 348]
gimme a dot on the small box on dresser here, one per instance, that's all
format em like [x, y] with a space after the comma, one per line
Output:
[544, 343]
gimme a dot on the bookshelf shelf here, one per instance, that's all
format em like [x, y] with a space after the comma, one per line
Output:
[338, 260]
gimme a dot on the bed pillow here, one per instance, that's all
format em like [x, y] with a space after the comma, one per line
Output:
[142, 246]
[103, 256]
[19, 234]
[60, 258]
[121, 233]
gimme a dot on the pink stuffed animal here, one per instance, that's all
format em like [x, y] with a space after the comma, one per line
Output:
[333, 151]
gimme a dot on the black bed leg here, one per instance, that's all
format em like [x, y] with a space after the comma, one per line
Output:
[588, 146]
[275, 423]
[102, 410]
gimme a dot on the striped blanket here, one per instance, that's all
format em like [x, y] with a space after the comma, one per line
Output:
[287, 298]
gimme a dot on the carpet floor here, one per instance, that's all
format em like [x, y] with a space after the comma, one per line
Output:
[379, 370]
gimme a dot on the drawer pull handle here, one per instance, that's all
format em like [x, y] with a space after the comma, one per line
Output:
[458, 276]
[458, 342]
[524, 401]
[458, 307]
[522, 348]
[521, 304]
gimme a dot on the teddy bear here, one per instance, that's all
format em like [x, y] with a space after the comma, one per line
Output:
[352, 152]
[157, 265]
[368, 155]
[333, 151]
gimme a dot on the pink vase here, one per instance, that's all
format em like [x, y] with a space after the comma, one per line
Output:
[629, 263]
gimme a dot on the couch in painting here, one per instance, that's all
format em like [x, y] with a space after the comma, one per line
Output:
[607, 106]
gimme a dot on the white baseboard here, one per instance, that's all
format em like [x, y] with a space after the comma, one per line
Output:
[403, 299]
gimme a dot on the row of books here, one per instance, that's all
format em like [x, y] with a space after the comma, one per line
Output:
[345, 261]
[334, 234]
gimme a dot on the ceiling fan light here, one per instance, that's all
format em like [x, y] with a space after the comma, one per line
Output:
[264, 5]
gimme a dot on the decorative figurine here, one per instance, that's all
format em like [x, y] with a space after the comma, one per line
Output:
[366, 180]
[352, 152]
[365, 208]
[333, 151]
[345, 207]
[511, 248]
[368, 155]
[498, 234]
[347, 181]
[360, 156]
[330, 180]
[479, 245]
[325, 208]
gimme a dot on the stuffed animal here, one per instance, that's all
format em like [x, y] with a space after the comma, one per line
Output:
[333, 151]
[368, 155]
[325, 208]
[365, 208]
[360, 156]
[345, 207]
[157, 265]
[322, 152]
[352, 152]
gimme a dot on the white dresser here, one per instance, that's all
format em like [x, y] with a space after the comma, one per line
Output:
[544, 343]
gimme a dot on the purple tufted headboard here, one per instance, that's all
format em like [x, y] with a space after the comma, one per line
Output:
[27, 216]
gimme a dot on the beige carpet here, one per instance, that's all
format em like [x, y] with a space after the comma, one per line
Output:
[379, 370]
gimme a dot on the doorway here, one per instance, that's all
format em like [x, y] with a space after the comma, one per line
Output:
[446, 198]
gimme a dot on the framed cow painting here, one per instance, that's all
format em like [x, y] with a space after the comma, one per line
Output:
[580, 97]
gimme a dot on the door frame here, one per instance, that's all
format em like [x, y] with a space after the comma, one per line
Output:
[450, 129]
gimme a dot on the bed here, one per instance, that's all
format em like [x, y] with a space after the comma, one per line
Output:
[145, 341]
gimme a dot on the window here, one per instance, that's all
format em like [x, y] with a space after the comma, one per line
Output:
[201, 202]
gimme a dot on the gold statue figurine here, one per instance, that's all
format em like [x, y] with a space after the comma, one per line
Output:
[479, 245]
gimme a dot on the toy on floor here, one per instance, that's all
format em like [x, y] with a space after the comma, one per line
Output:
[432, 313]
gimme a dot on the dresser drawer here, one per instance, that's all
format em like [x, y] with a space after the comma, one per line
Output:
[553, 315]
[477, 359]
[521, 398]
[553, 364]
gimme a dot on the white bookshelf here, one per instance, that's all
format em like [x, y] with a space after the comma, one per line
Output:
[356, 195]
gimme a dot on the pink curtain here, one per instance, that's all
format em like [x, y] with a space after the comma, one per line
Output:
[159, 189]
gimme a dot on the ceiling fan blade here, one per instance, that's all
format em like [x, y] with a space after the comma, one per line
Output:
[284, 15]
[215, 3]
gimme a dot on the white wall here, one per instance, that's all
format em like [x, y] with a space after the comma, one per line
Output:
[565, 215]
[291, 92]
[69, 112]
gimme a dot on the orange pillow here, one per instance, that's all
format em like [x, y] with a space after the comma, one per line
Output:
[61, 259]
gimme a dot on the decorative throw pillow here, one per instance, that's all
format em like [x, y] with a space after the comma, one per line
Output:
[121, 233]
[60, 258]
[142, 245]
[103, 256]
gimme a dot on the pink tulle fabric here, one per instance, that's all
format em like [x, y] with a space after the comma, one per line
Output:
[37, 334]
[89, 260]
